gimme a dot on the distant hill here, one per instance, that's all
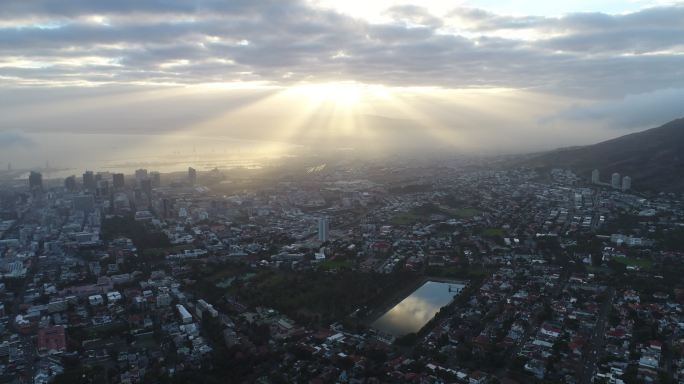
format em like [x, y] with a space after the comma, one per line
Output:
[654, 158]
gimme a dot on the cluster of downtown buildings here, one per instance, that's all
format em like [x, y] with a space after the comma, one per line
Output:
[549, 265]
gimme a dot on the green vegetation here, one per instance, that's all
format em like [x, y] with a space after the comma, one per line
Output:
[226, 271]
[407, 340]
[141, 234]
[674, 240]
[465, 213]
[213, 281]
[316, 296]
[336, 264]
[634, 262]
[493, 232]
[417, 214]
[457, 272]
[406, 218]
[458, 206]
[79, 334]
[423, 213]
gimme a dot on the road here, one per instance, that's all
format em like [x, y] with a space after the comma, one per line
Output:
[597, 339]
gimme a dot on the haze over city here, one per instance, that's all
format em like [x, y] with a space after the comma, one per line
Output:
[348, 192]
[116, 81]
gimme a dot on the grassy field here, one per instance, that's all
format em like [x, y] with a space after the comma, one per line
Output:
[422, 214]
[464, 213]
[493, 232]
[336, 264]
[406, 218]
[634, 262]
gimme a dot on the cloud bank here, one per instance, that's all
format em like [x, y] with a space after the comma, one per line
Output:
[45, 42]
[494, 81]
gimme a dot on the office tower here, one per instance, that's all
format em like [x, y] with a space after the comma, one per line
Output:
[89, 181]
[626, 183]
[146, 186]
[103, 187]
[323, 228]
[615, 180]
[83, 203]
[595, 177]
[35, 181]
[167, 208]
[140, 175]
[70, 183]
[118, 180]
[192, 176]
[156, 179]
[121, 202]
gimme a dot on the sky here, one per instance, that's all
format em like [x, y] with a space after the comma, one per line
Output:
[84, 82]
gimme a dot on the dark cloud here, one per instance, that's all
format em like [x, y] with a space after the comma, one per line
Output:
[589, 54]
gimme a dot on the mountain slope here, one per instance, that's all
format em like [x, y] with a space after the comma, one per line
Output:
[654, 158]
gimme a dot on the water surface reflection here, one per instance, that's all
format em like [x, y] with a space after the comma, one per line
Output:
[412, 313]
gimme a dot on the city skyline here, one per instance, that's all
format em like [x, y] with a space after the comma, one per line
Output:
[355, 192]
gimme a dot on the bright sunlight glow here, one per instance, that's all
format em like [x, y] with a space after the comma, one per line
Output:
[346, 94]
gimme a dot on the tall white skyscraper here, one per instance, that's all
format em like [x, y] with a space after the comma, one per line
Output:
[323, 228]
[615, 180]
[626, 183]
[595, 176]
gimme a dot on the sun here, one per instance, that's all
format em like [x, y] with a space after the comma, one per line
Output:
[346, 94]
[343, 93]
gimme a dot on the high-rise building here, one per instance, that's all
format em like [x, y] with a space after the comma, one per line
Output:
[140, 175]
[615, 180]
[118, 180]
[35, 181]
[89, 181]
[146, 186]
[156, 179]
[595, 176]
[70, 183]
[626, 183]
[192, 175]
[167, 208]
[103, 188]
[323, 228]
[83, 203]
